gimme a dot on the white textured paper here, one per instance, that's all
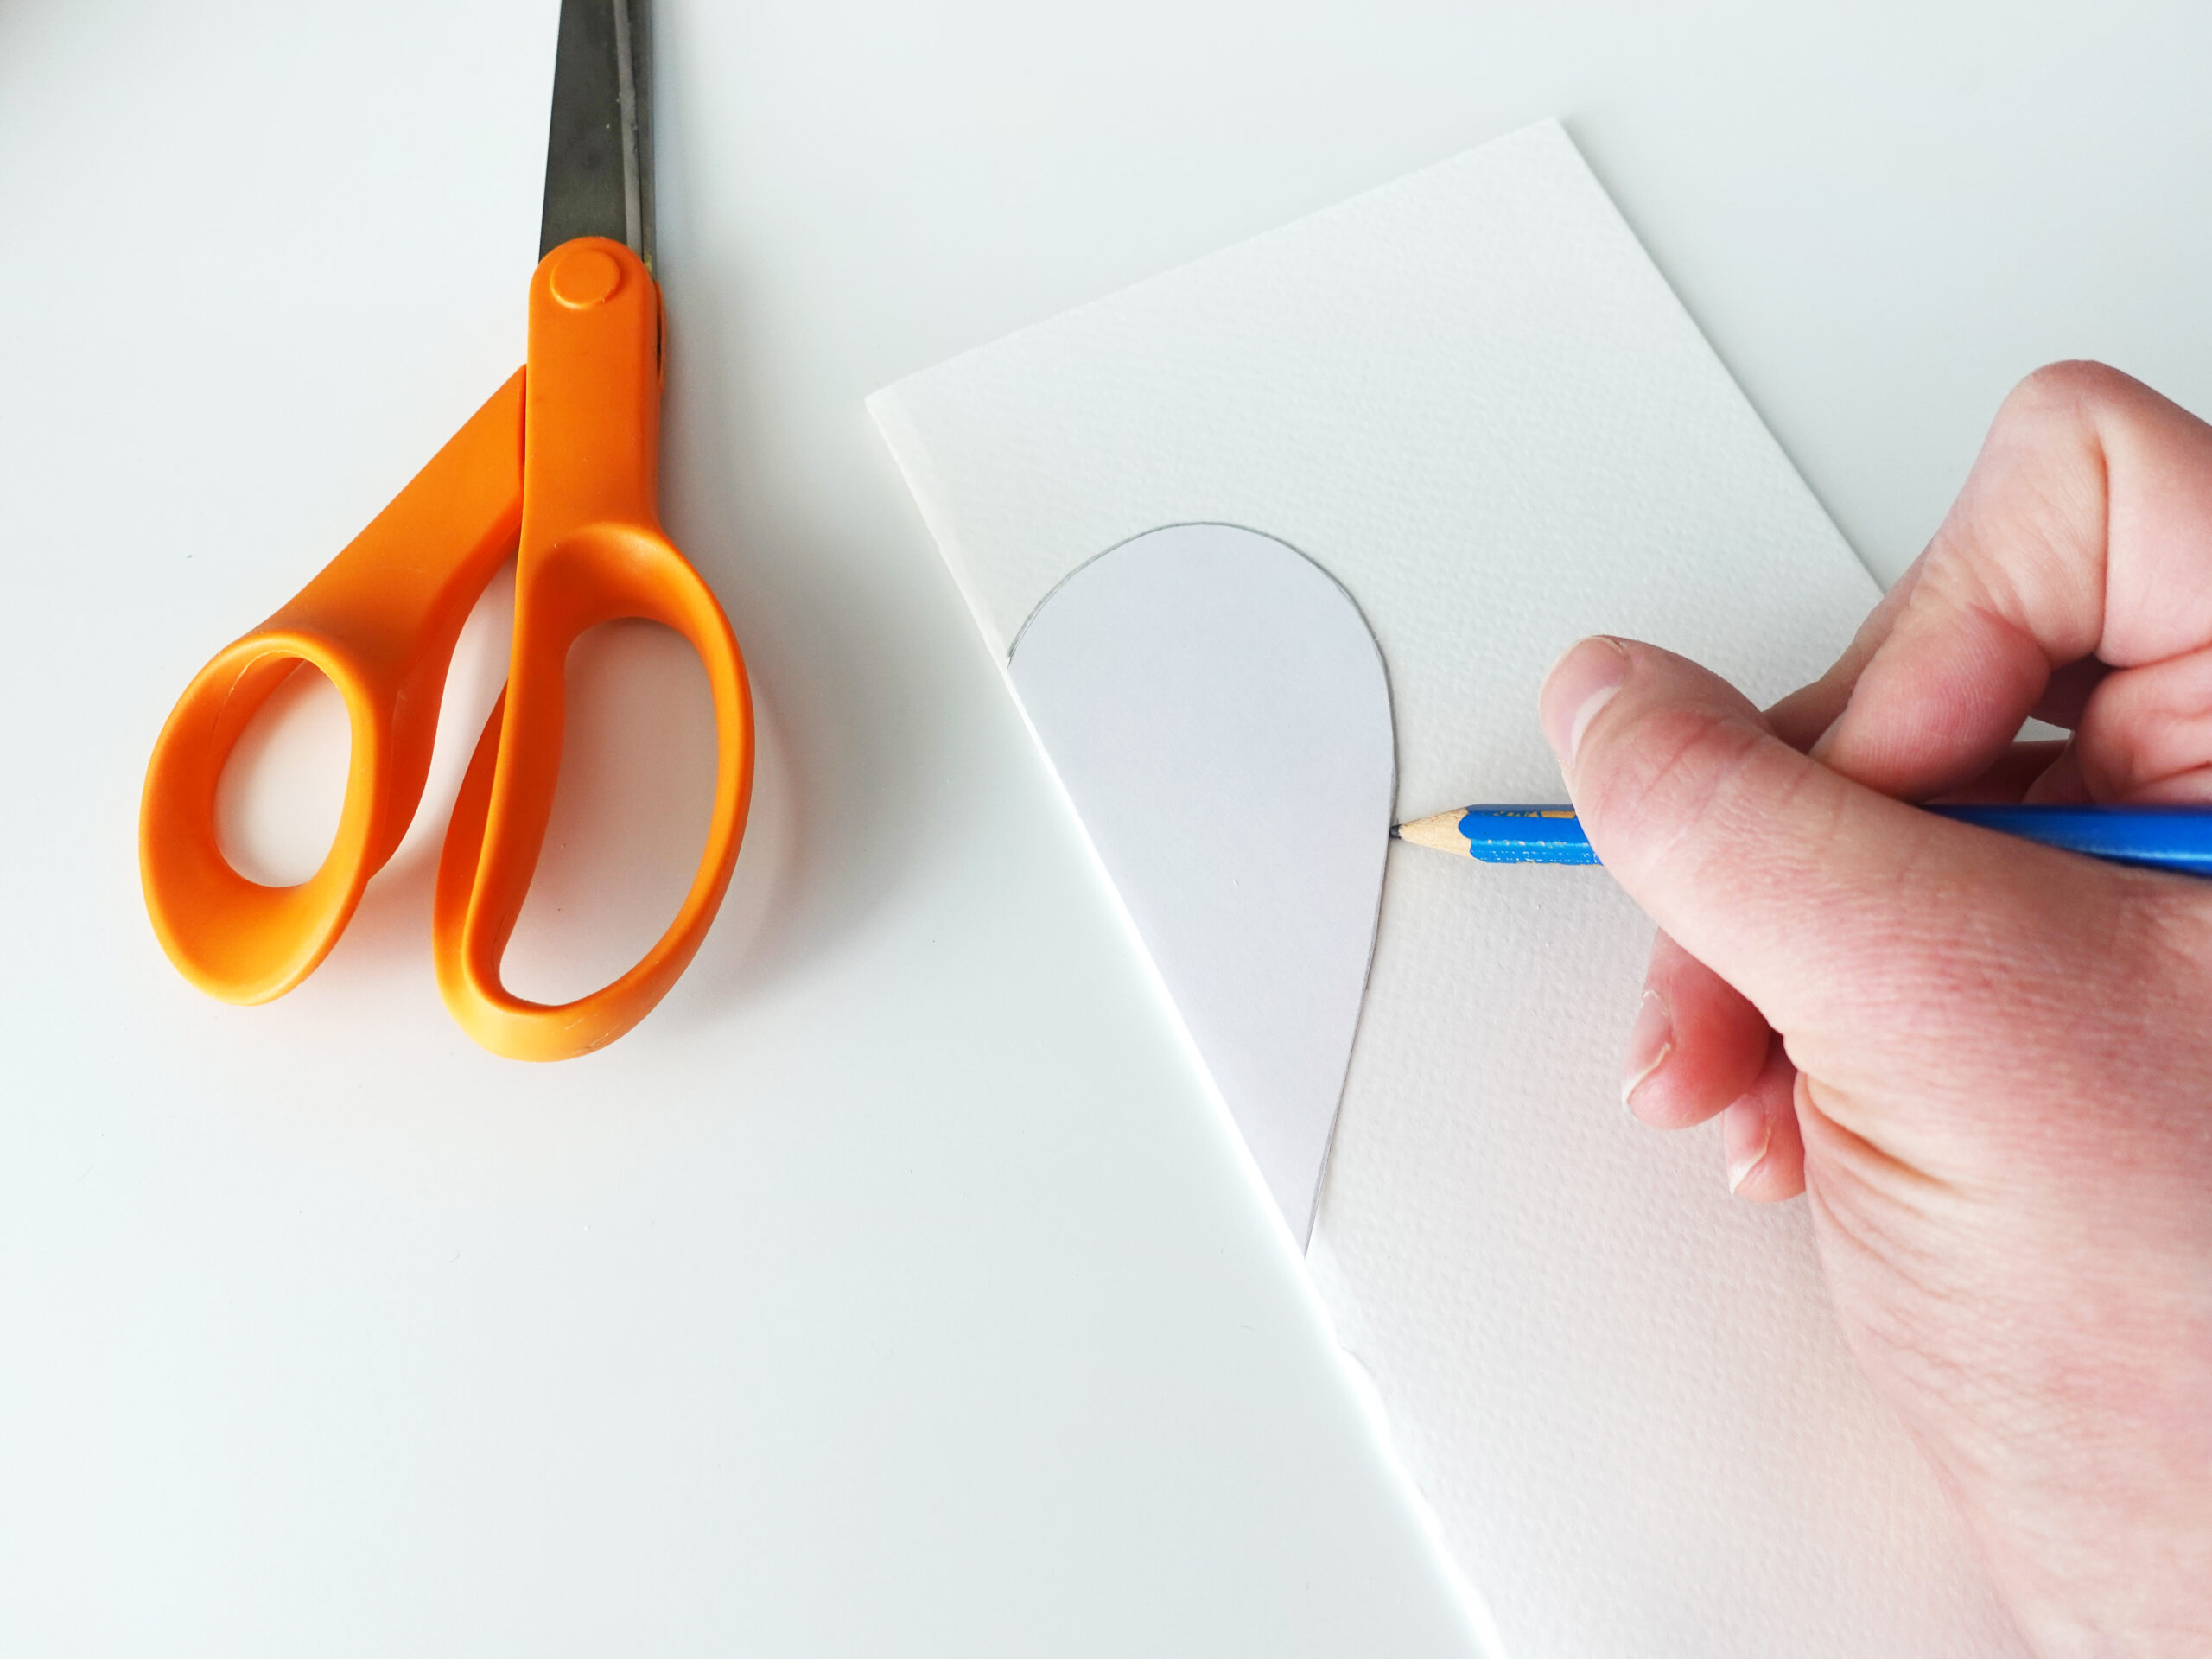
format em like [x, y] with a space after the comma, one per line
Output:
[1471, 398]
[1217, 710]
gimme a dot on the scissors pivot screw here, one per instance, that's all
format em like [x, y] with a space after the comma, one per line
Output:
[585, 277]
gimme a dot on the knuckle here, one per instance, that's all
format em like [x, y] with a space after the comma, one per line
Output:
[2167, 924]
[2078, 990]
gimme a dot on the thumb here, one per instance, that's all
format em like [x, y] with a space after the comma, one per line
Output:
[1869, 933]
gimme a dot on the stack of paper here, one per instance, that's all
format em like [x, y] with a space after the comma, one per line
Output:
[1469, 398]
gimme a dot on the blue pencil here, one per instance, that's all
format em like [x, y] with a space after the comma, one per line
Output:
[2162, 837]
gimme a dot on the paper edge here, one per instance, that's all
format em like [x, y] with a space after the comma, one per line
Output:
[910, 453]
[1383, 186]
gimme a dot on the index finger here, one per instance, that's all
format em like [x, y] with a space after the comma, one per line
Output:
[2084, 534]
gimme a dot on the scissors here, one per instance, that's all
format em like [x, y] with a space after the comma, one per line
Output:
[559, 469]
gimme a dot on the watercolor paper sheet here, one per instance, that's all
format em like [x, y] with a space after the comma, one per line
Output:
[1470, 397]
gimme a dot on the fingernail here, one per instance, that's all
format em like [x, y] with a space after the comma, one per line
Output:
[1651, 1040]
[1746, 1133]
[1580, 683]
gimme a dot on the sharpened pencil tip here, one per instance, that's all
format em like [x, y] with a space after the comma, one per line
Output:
[1393, 832]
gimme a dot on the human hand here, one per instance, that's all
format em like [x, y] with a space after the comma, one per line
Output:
[1987, 1064]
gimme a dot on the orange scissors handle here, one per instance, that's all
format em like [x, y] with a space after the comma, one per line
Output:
[564, 456]
[591, 552]
[380, 622]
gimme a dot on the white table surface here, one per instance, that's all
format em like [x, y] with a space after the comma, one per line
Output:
[898, 1287]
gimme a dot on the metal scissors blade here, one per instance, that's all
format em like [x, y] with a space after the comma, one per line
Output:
[599, 161]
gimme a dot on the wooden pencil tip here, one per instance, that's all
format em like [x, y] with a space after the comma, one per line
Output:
[1440, 832]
